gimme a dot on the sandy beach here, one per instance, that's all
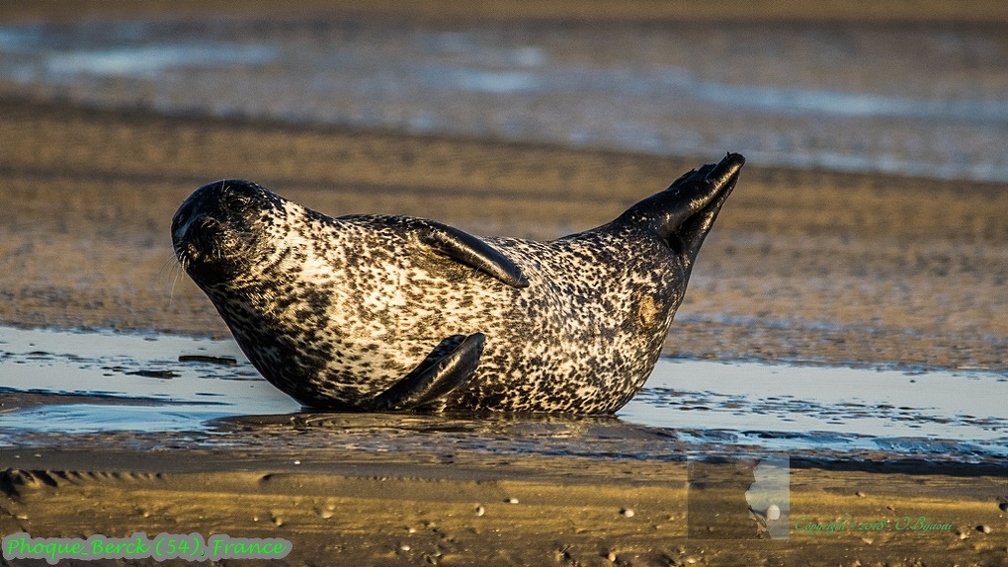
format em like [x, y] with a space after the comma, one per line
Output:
[804, 266]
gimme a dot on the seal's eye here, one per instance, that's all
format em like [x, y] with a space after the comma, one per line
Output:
[235, 201]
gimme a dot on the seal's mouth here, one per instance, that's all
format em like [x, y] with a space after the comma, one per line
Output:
[205, 247]
[213, 231]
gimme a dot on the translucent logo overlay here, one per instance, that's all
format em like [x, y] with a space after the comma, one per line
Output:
[738, 497]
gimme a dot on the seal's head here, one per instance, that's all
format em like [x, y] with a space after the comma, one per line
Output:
[217, 232]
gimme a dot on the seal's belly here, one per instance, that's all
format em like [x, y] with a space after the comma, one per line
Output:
[571, 341]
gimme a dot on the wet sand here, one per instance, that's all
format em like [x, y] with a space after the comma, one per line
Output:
[806, 266]
[415, 510]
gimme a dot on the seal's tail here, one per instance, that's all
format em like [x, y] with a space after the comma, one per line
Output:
[683, 214]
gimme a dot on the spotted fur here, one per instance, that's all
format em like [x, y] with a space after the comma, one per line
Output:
[334, 311]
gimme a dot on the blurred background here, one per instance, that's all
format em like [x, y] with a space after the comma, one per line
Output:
[912, 88]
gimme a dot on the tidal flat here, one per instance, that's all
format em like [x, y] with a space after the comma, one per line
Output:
[844, 324]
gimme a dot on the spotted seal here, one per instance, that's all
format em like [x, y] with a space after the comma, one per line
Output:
[384, 313]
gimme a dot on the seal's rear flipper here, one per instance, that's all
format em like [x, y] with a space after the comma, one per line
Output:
[472, 251]
[449, 365]
[683, 214]
[666, 212]
[693, 230]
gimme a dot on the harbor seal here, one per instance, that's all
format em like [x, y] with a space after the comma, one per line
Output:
[388, 313]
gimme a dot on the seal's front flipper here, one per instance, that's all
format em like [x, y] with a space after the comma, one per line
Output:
[449, 365]
[471, 251]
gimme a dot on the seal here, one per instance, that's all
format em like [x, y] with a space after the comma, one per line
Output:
[390, 313]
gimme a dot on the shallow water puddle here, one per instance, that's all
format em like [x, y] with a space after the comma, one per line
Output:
[792, 407]
[63, 382]
[103, 381]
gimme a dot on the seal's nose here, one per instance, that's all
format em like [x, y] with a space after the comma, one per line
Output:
[182, 220]
[227, 201]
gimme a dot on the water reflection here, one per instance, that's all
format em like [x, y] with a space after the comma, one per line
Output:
[68, 383]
